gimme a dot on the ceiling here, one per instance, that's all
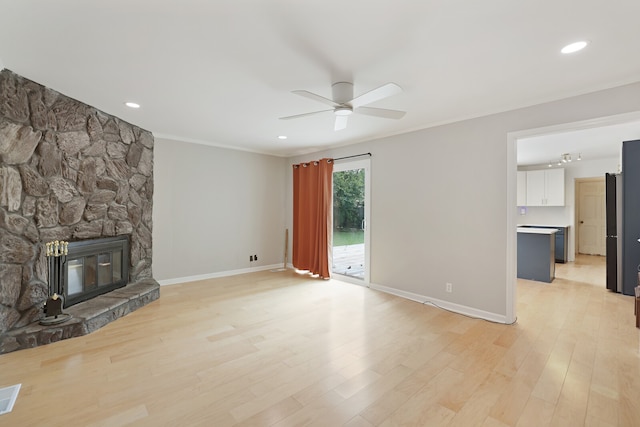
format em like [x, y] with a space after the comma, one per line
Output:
[222, 72]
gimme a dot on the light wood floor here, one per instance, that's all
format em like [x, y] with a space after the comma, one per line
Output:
[278, 349]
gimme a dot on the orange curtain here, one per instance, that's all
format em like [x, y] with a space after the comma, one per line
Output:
[312, 196]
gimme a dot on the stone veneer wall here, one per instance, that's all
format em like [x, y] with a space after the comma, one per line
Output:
[67, 172]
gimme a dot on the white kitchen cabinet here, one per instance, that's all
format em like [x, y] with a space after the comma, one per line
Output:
[555, 187]
[545, 187]
[522, 189]
[535, 188]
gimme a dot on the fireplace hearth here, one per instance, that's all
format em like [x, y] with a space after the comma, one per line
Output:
[85, 317]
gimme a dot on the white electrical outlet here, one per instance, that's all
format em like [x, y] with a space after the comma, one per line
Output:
[449, 287]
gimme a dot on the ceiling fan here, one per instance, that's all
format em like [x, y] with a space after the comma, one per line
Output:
[344, 104]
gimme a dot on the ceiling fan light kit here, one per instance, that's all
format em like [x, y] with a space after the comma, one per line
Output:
[343, 111]
[344, 104]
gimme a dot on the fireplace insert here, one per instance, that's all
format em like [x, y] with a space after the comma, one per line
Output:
[92, 268]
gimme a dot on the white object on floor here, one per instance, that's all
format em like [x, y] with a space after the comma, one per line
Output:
[8, 396]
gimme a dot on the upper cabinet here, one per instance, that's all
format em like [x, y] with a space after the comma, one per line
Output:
[545, 187]
[522, 189]
[555, 187]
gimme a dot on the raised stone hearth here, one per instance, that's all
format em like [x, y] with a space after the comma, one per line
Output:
[86, 317]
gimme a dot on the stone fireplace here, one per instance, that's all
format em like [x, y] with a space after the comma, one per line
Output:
[67, 172]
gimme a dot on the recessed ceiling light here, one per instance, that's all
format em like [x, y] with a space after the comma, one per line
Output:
[574, 47]
[132, 105]
[282, 137]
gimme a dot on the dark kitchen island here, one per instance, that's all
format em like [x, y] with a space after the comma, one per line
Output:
[536, 254]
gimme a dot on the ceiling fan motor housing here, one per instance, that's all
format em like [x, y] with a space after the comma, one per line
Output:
[342, 92]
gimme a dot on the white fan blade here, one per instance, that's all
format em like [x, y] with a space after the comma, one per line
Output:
[303, 115]
[313, 96]
[381, 112]
[374, 95]
[341, 122]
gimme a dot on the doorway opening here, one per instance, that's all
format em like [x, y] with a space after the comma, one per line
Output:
[512, 165]
[350, 230]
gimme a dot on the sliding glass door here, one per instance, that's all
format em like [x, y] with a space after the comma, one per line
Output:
[350, 242]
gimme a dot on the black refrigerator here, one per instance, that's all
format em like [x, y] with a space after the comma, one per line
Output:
[613, 213]
[630, 215]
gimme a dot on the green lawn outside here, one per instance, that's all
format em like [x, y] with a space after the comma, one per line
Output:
[342, 238]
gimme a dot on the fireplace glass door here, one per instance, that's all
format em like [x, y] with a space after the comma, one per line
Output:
[95, 267]
[75, 279]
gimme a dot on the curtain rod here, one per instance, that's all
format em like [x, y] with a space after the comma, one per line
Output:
[355, 155]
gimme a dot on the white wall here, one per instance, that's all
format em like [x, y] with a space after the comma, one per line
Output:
[442, 201]
[213, 208]
[565, 215]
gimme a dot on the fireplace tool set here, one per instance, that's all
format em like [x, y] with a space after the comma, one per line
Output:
[57, 252]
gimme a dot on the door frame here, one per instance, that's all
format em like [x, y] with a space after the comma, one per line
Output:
[345, 166]
[576, 221]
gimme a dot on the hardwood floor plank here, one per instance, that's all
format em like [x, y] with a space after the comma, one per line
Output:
[123, 418]
[344, 412]
[358, 421]
[477, 406]
[317, 389]
[422, 406]
[273, 414]
[552, 377]
[426, 415]
[570, 412]
[510, 405]
[315, 411]
[536, 413]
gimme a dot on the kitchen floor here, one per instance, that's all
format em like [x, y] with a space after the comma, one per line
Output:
[589, 269]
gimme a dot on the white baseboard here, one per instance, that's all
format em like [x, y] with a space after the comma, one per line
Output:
[216, 275]
[456, 308]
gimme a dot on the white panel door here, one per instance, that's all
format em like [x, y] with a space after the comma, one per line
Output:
[591, 217]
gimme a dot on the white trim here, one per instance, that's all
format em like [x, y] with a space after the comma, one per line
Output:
[511, 298]
[167, 282]
[349, 279]
[580, 125]
[512, 167]
[456, 308]
[177, 138]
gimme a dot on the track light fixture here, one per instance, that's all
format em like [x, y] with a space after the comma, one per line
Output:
[566, 158]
